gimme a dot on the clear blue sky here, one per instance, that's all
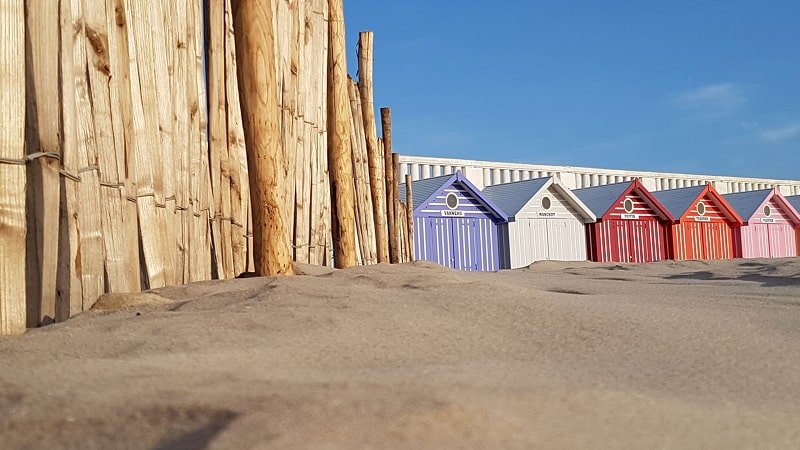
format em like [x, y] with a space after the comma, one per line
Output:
[710, 87]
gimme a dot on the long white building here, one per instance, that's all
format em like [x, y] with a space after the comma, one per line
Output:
[487, 173]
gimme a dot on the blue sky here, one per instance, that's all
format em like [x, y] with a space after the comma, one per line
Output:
[709, 87]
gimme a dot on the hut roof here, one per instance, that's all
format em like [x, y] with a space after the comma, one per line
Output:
[747, 203]
[677, 201]
[424, 190]
[600, 198]
[513, 197]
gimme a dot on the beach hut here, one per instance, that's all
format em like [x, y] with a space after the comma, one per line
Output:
[631, 224]
[794, 200]
[703, 225]
[546, 221]
[455, 225]
[769, 224]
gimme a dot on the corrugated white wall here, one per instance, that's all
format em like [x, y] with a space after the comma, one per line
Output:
[488, 173]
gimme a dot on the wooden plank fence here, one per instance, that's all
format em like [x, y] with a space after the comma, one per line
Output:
[124, 158]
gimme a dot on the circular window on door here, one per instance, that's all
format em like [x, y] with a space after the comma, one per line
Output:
[546, 203]
[767, 210]
[701, 208]
[628, 205]
[452, 201]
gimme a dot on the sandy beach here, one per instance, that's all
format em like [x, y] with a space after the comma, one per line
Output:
[558, 355]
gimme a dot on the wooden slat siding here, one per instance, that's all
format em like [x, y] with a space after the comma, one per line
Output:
[146, 151]
[92, 252]
[165, 123]
[375, 156]
[464, 243]
[120, 270]
[237, 156]
[703, 240]
[218, 144]
[767, 240]
[122, 121]
[531, 238]
[68, 281]
[364, 208]
[12, 176]
[44, 131]
[205, 195]
[178, 45]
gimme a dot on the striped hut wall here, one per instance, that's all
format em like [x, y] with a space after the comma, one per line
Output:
[617, 239]
[703, 236]
[765, 236]
[533, 238]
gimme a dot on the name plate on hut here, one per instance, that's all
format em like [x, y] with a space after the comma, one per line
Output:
[702, 219]
[767, 220]
[629, 216]
[547, 214]
[451, 213]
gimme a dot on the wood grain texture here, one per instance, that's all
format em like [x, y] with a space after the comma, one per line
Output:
[339, 151]
[255, 50]
[375, 155]
[44, 131]
[391, 180]
[408, 211]
[13, 225]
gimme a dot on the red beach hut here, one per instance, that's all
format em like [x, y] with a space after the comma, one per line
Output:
[704, 223]
[631, 224]
[769, 224]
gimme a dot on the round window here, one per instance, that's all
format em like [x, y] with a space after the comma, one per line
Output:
[452, 201]
[546, 203]
[628, 205]
[701, 208]
[767, 210]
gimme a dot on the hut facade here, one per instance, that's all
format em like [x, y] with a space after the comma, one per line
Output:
[769, 225]
[631, 224]
[703, 225]
[546, 221]
[455, 225]
[794, 200]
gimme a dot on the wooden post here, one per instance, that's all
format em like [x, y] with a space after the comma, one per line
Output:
[13, 226]
[339, 152]
[409, 213]
[386, 132]
[375, 156]
[44, 126]
[255, 58]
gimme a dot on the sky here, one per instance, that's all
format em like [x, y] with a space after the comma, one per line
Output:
[701, 87]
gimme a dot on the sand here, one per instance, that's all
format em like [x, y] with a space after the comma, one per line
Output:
[557, 355]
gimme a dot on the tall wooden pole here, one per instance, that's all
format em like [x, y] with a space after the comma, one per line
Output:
[12, 168]
[374, 154]
[409, 217]
[394, 239]
[340, 162]
[255, 58]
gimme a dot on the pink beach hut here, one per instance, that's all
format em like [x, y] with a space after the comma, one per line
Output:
[769, 226]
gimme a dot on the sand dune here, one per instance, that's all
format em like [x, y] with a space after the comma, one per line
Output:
[557, 355]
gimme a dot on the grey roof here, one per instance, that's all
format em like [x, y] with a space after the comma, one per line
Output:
[746, 203]
[512, 197]
[677, 201]
[794, 200]
[599, 199]
[421, 190]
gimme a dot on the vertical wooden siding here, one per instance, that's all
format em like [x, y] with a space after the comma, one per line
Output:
[463, 243]
[614, 239]
[760, 239]
[533, 238]
[711, 239]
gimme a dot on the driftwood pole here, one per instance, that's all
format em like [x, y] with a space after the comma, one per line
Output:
[386, 132]
[12, 168]
[339, 151]
[255, 59]
[374, 155]
[409, 215]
